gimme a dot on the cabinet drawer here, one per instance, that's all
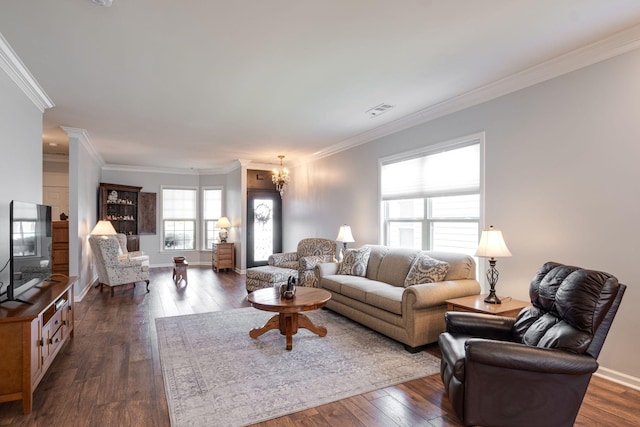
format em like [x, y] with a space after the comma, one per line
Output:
[51, 329]
[54, 341]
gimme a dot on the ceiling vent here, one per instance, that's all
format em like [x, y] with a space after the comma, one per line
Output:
[103, 3]
[379, 109]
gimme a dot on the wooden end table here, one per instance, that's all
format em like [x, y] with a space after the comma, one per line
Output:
[475, 304]
[289, 317]
[180, 271]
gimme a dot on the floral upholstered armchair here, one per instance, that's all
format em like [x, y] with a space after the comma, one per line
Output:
[311, 252]
[115, 265]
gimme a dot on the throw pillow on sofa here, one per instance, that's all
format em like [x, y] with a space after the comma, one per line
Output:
[355, 262]
[425, 269]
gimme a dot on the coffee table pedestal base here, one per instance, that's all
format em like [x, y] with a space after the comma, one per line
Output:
[288, 324]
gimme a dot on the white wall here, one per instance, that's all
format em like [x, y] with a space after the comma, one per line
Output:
[84, 176]
[21, 160]
[561, 182]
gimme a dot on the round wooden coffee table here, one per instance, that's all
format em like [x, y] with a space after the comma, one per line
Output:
[289, 317]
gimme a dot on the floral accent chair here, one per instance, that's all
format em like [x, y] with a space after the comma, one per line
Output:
[311, 252]
[115, 265]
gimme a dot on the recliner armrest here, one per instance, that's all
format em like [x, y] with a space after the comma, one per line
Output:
[526, 358]
[479, 325]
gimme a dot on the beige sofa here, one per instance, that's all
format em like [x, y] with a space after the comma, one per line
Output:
[413, 315]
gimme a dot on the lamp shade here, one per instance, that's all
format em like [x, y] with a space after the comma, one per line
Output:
[223, 222]
[492, 244]
[344, 235]
[103, 228]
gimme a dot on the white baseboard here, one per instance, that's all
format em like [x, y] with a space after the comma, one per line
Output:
[618, 377]
[85, 291]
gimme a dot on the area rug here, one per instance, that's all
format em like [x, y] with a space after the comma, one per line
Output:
[216, 375]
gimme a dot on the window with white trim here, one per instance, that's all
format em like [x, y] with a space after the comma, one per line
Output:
[431, 199]
[211, 211]
[179, 215]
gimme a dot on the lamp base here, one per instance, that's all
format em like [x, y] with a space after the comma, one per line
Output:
[492, 298]
[223, 235]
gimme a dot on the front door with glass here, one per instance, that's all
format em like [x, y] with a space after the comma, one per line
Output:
[264, 226]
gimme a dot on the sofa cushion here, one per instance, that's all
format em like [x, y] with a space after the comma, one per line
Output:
[355, 262]
[395, 265]
[358, 289]
[461, 266]
[388, 298]
[425, 269]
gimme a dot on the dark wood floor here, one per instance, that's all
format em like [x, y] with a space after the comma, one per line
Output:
[109, 374]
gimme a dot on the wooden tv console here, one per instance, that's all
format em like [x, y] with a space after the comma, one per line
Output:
[32, 335]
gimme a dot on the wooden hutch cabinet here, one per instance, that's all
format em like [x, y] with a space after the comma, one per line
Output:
[131, 211]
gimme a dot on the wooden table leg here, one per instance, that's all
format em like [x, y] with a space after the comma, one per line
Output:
[288, 324]
[306, 323]
[273, 323]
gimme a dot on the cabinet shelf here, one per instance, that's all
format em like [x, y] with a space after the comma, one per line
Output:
[131, 211]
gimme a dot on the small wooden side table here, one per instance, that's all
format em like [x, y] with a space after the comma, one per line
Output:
[223, 256]
[180, 271]
[475, 304]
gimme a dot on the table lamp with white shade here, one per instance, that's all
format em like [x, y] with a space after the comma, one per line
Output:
[223, 224]
[103, 228]
[344, 236]
[492, 246]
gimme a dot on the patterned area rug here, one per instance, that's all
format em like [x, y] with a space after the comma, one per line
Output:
[216, 375]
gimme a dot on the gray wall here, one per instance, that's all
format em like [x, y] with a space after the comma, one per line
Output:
[560, 181]
[235, 208]
[153, 182]
[21, 163]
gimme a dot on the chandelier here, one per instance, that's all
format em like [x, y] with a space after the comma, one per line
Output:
[280, 177]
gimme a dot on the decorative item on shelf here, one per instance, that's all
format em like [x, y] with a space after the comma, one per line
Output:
[280, 177]
[112, 197]
[103, 228]
[63, 216]
[344, 236]
[492, 246]
[223, 224]
[288, 291]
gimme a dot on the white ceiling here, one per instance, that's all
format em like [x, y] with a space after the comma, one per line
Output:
[198, 84]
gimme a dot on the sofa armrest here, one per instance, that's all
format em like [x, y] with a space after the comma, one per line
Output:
[135, 254]
[326, 269]
[125, 262]
[309, 262]
[281, 258]
[426, 295]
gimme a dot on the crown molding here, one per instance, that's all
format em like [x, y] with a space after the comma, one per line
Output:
[607, 48]
[176, 171]
[83, 136]
[150, 169]
[16, 70]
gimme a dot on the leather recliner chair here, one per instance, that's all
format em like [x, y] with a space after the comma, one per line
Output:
[533, 370]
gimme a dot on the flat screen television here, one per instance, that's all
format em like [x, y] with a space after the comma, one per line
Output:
[30, 262]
